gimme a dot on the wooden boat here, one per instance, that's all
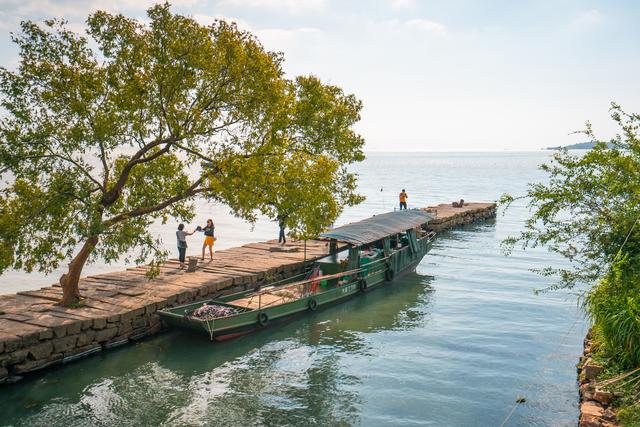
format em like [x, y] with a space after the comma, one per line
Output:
[376, 250]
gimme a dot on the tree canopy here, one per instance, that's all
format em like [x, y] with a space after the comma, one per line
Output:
[103, 133]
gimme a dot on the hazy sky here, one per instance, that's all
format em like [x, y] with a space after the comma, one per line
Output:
[433, 75]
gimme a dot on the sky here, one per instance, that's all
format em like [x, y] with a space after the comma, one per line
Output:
[456, 75]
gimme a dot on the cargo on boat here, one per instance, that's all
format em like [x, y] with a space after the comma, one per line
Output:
[375, 251]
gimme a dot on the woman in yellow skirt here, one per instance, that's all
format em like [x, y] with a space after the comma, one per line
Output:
[209, 237]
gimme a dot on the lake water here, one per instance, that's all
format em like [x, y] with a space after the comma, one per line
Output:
[454, 344]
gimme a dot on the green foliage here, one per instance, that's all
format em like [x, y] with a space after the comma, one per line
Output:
[588, 210]
[614, 307]
[629, 416]
[102, 134]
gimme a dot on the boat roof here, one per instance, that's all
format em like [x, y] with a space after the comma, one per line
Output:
[377, 227]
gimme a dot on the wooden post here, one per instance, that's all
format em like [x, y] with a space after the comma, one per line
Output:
[305, 250]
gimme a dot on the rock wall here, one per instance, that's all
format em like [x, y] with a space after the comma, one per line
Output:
[595, 404]
[26, 347]
[446, 216]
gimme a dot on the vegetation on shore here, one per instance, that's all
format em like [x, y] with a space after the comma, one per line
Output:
[589, 212]
[101, 134]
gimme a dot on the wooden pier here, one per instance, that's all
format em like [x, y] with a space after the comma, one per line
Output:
[120, 307]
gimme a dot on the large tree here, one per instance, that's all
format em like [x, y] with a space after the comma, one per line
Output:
[102, 134]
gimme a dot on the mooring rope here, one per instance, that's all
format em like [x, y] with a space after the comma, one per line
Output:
[537, 374]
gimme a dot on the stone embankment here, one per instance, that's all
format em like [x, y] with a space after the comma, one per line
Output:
[446, 216]
[595, 404]
[121, 307]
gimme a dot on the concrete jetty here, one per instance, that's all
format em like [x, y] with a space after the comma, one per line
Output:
[121, 307]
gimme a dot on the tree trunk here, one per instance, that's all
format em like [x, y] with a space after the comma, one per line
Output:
[70, 281]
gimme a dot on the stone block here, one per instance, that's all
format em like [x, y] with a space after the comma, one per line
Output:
[150, 308]
[106, 334]
[60, 331]
[62, 345]
[591, 369]
[81, 352]
[46, 334]
[589, 421]
[139, 322]
[99, 323]
[609, 415]
[116, 342]
[154, 319]
[138, 334]
[86, 337]
[603, 397]
[591, 408]
[87, 324]
[41, 350]
[16, 356]
[114, 318]
[74, 328]
[124, 328]
[34, 365]
[126, 317]
[3, 374]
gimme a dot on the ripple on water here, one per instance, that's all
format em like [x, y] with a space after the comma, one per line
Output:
[452, 345]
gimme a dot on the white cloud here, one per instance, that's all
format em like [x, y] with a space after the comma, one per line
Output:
[403, 4]
[79, 8]
[208, 20]
[291, 6]
[285, 40]
[426, 26]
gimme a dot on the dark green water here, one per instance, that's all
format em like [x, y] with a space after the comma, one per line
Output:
[453, 344]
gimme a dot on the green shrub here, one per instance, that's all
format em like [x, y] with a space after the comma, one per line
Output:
[614, 307]
[629, 416]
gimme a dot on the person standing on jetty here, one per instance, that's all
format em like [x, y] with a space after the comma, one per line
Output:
[182, 244]
[281, 223]
[209, 238]
[403, 200]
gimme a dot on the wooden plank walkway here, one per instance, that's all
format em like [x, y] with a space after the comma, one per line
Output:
[118, 307]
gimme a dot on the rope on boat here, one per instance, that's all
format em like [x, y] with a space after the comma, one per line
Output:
[210, 328]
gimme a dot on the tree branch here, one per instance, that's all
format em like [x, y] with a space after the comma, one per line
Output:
[77, 165]
[112, 195]
[144, 210]
[194, 152]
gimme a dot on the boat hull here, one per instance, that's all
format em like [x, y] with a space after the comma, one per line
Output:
[377, 275]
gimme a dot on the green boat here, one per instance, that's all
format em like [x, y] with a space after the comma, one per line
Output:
[362, 256]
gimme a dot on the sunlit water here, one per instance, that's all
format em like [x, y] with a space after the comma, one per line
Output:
[453, 344]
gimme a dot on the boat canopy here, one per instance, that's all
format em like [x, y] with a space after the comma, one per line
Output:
[377, 227]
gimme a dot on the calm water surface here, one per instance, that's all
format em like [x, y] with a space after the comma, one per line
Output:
[453, 344]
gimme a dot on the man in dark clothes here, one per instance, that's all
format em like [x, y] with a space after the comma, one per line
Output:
[281, 223]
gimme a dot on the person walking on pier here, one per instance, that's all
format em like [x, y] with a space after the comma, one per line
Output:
[403, 200]
[209, 238]
[182, 244]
